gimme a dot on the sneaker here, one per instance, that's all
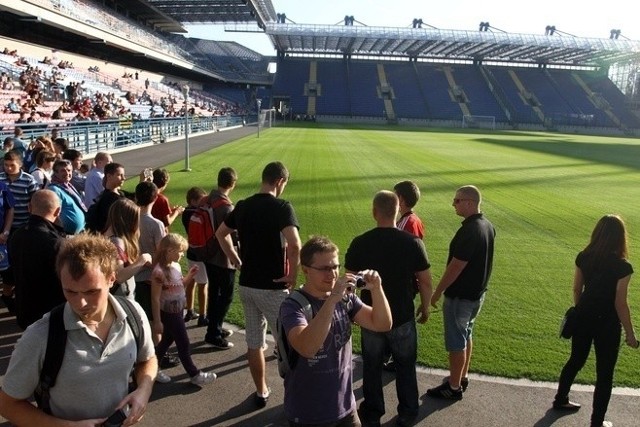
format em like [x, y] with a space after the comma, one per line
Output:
[162, 378]
[261, 401]
[169, 361]
[219, 343]
[565, 405]
[464, 382]
[444, 391]
[203, 321]
[203, 378]
[405, 421]
[190, 316]
[607, 424]
[226, 333]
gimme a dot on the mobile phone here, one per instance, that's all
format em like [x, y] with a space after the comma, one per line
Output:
[116, 419]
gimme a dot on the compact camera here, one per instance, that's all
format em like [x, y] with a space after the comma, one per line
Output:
[148, 174]
[360, 282]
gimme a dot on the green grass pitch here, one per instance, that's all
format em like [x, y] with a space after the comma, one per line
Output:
[543, 192]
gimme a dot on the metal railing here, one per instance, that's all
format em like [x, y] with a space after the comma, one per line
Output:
[92, 136]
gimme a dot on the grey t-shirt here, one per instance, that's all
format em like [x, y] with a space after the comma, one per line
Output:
[94, 376]
[151, 232]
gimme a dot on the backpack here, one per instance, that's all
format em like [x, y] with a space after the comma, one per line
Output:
[91, 217]
[56, 343]
[287, 356]
[201, 232]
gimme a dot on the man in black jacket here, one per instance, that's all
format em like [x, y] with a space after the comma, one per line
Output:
[32, 253]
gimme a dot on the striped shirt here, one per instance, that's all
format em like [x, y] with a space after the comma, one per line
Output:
[22, 189]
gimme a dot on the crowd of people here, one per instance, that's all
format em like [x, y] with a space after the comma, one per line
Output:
[106, 244]
[41, 88]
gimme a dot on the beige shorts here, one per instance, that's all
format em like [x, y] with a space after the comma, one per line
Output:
[201, 275]
[261, 306]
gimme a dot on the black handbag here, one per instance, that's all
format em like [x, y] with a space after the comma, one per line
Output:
[568, 323]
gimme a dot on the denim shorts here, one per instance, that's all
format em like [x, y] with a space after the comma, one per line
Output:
[459, 316]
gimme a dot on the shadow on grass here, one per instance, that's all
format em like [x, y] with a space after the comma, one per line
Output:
[618, 154]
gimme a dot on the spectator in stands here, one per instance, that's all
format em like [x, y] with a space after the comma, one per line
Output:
[34, 117]
[57, 114]
[93, 184]
[162, 209]
[44, 167]
[70, 90]
[72, 209]
[22, 118]
[78, 179]
[146, 83]
[33, 245]
[13, 107]
[4, 79]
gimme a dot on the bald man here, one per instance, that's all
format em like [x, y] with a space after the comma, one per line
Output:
[32, 253]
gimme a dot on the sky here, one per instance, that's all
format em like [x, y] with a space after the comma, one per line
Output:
[576, 17]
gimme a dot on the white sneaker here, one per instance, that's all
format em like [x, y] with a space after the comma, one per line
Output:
[163, 378]
[203, 378]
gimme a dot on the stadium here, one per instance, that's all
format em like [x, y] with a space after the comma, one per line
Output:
[418, 76]
[545, 124]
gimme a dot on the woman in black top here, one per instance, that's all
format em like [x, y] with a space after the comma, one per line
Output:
[600, 294]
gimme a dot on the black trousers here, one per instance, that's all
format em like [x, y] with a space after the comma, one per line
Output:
[605, 336]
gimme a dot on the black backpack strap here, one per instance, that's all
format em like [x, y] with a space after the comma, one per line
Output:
[56, 343]
[133, 320]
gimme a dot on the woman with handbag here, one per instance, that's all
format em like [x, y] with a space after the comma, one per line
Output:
[600, 285]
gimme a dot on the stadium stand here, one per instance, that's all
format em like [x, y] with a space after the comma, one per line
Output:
[325, 72]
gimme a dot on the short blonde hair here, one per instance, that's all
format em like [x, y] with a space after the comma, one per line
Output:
[85, 250]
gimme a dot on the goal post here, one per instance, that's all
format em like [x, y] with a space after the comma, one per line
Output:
[266, 118]
[479, 122]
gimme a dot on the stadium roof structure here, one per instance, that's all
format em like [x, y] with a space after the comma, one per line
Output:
[214, 11]
[438, 44]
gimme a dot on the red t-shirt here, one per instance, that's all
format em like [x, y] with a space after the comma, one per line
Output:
[161, 209]
[410, 223]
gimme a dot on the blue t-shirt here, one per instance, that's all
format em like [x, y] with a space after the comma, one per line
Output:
[71, 214]
[320, 389]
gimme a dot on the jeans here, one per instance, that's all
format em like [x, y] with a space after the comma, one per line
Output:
[175, 330]
[403, 342]
[221, 282]
[605, 336]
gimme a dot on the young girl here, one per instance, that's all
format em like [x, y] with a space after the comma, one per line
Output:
[123, 229]
[168, 300]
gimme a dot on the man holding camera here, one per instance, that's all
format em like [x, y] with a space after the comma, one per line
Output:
[400, 258]
[323, 343]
